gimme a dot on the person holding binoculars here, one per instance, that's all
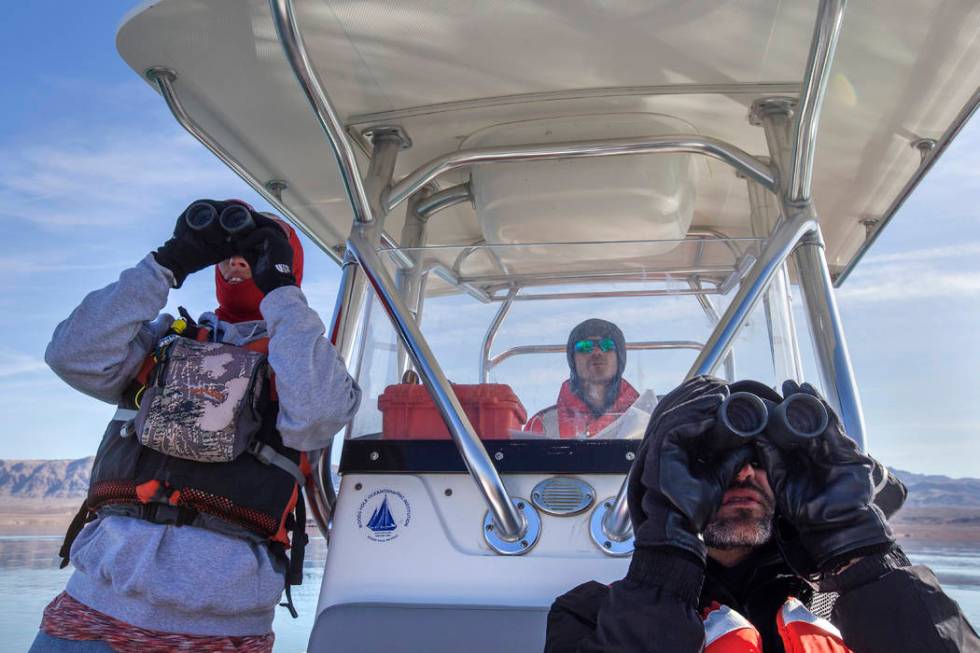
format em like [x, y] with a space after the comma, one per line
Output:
[196, 490]
[759, 527]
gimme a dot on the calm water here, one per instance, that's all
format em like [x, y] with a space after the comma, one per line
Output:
[29, 578]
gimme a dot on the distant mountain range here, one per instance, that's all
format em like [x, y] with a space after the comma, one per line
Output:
[68, 479]
[935, 490]
[45, 479]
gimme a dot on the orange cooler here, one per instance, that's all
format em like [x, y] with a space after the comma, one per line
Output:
[408, 412]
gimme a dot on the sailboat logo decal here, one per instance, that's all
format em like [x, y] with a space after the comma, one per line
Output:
[381, 519]
[383, 514]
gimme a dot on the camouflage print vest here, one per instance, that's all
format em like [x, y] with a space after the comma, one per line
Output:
[194, 442]
[202, 400]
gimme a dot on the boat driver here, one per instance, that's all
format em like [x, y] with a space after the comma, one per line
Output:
[758, 549]
[196, 490]
[595, 393]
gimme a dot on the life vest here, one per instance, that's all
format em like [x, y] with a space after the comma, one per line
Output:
[571, 417]
[726, 631]
[257, 495]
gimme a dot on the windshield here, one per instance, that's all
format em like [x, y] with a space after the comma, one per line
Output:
[556, 341]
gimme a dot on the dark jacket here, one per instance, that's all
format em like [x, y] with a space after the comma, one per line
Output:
[903, 611]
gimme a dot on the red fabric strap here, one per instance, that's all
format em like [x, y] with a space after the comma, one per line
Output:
[67, 618]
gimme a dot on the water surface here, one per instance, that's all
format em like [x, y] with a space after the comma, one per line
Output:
[29, 578]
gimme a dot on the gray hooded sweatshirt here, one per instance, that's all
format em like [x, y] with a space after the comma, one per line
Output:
[186, 579]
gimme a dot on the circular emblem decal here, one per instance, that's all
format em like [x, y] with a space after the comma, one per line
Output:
[383, 513]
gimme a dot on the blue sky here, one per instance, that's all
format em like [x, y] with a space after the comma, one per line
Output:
[94, 171]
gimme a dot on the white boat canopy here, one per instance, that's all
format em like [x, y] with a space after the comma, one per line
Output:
[462, 76]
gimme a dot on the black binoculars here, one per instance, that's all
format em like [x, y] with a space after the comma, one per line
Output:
[790, 424]
[234, 218]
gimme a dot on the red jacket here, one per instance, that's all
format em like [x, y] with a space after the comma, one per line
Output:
[575, 418]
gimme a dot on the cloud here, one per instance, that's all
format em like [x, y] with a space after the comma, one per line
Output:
[29, 264]
[919, 274]
[909, 285]
[13, 363]
[927, 254]
[117, 177]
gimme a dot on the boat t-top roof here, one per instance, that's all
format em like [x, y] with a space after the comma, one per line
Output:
[458, 78]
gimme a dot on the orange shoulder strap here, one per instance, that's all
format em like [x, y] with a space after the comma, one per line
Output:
[726, 631]
[262, 346]
[804, 632]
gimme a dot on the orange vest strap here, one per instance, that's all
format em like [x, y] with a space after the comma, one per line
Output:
[726, 631]
[804, 632]
[262, 346]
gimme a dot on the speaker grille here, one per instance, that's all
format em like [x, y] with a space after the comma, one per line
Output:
[562, 495]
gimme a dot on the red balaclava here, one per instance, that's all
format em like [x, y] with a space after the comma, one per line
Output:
[240, 302]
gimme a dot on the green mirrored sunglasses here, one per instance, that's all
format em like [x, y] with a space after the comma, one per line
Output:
[588, 345]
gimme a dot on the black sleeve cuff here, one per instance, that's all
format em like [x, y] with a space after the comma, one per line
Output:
[866, 570]
[669, 569]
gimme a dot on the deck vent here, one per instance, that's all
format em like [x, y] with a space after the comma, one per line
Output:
[562, 495]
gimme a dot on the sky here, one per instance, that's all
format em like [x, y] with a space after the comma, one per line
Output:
[94, 172]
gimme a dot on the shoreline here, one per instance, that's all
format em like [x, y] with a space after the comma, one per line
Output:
[915, 525]
[38, 517]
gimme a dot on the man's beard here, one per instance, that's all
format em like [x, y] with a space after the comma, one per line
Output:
[745, 529]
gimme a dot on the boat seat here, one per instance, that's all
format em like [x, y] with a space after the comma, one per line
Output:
[383, 628]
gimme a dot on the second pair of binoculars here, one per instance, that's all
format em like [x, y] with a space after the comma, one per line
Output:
[790, 424]
[234, 218]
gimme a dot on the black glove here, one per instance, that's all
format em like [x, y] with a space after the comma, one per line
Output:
[825, 491]
[677, 482]
[269, 254]
[190, 250]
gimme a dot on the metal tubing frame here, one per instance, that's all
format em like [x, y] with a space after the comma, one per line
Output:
[776, 301]
[380, 170]
[348, 312]
[411, 282]
[742, 267]
[287, 27]
[613, 294]
[443, 199]
[782, 327]
[648, 345]
[826, 329]
[345, 325]
[347, 322]
[321, 497]
[468, 287]
[799, 222]
[164, 79]
[798, 174]
[713, 317]
[827, 332]
[510, 523]
[733, 156]
[422, 206]
[552, 278]
[773, 255]
[491, 335]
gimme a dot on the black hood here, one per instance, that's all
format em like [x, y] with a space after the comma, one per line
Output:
[597, 328]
